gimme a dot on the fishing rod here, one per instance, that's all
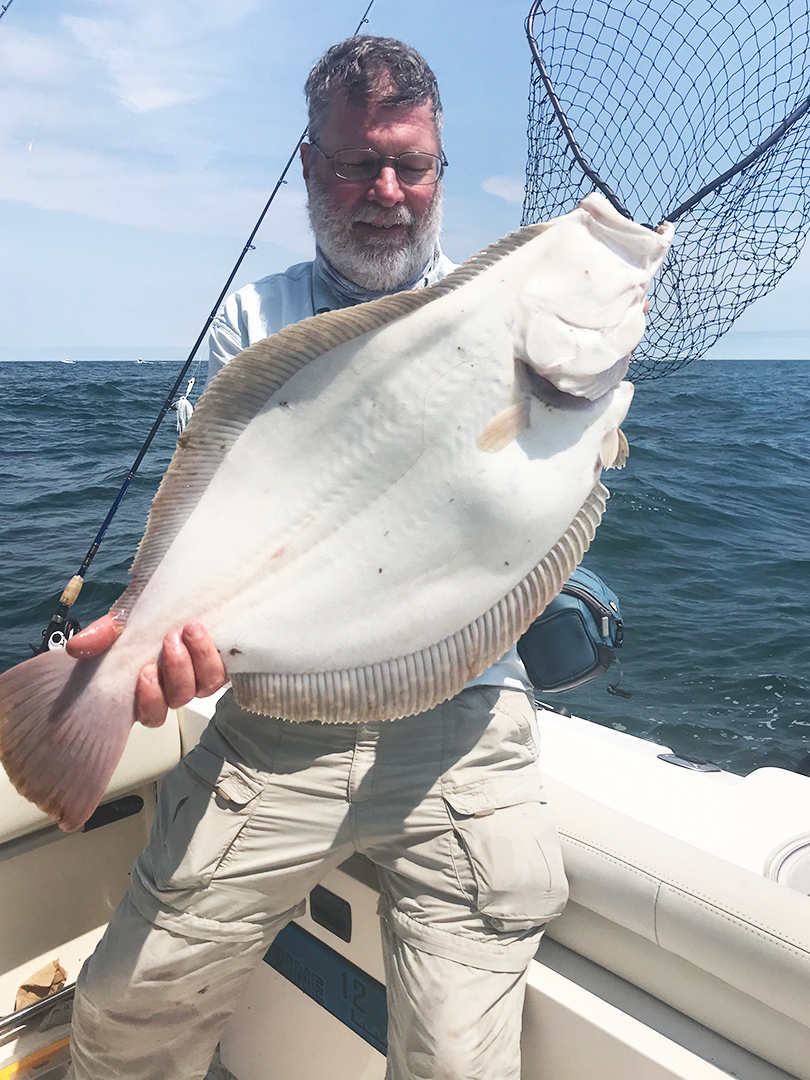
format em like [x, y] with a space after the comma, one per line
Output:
[4, 7]
[62, 625]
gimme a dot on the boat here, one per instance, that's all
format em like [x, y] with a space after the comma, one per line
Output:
[684, 950]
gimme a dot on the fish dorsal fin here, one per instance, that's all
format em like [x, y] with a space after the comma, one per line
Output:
[243, 387]
[487, 257]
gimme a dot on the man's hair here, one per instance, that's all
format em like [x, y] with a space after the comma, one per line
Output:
[365, 67]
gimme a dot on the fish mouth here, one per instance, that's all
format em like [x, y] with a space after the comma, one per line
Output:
[544, 389]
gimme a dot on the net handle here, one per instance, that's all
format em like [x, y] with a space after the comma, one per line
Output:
[749, 159]
[591, 174]
[778, 132]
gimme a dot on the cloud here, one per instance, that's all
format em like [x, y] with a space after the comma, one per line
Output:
[122, 117]
[155, 54]
[174, 201]
[509, 188]
[27, 58]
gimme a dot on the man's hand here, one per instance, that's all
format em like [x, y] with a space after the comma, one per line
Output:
[189, 666]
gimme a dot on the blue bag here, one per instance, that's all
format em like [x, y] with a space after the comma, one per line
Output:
[574, 639]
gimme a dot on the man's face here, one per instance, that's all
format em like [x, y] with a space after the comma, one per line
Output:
[379, 233]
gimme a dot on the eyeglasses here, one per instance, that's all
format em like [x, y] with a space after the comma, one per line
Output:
[412, 167]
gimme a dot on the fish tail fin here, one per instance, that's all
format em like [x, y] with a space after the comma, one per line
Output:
[60, 739]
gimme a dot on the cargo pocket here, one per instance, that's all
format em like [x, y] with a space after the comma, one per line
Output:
[508, 857]
[204, 805]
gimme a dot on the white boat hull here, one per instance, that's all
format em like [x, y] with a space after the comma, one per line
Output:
[675, 958]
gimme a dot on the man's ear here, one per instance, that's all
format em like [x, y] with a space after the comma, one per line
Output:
[304, 150]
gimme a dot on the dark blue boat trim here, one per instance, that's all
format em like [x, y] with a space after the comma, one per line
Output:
[339, 986]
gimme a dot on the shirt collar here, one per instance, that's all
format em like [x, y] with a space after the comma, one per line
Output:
[331, 290]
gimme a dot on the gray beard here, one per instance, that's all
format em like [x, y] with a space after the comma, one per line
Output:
[376, 263]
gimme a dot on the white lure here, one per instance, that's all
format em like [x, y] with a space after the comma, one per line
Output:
[373, 504]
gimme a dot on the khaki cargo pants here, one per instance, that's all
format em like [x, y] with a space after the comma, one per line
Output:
[448, 805]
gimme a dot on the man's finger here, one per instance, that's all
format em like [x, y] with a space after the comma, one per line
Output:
[95, 638]
[150, 701]
[176, 671]
[209, 671]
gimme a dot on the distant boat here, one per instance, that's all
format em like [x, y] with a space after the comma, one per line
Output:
[140, 361]
[67, 360]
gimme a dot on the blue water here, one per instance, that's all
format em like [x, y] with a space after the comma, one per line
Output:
[706, 539]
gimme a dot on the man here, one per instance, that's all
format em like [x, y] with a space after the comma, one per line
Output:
[447, 804]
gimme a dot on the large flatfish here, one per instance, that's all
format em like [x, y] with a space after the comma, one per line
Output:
[370, 507]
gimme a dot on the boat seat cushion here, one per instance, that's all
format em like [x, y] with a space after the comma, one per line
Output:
[749, 934]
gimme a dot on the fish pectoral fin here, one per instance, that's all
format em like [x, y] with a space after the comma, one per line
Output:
[615, 450]
[506, 426]
[624, 450]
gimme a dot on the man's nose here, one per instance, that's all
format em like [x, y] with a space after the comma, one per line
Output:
[386, 188]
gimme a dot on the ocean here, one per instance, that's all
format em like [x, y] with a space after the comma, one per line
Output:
[706, 540]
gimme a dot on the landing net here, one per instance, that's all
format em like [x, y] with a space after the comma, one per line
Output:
[662, 100]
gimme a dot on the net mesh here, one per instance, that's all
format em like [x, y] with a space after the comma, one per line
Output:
[663, 97]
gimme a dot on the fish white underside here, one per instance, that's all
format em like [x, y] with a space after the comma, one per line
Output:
[355, 520]
[406, 533]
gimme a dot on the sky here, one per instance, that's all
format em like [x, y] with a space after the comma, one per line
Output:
[139, 140]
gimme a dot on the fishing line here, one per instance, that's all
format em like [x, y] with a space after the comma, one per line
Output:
[62, 626]
[690, 111]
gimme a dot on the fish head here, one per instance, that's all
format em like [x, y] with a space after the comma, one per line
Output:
[580, 315]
